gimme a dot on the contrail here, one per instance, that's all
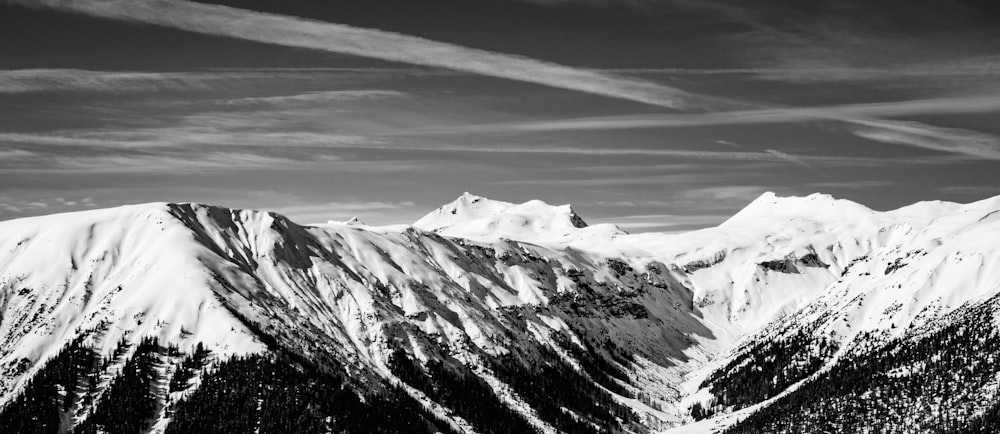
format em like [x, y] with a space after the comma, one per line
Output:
[925, 136]
[849, 113]
[865, 120]
[796, 160]
[376, 44]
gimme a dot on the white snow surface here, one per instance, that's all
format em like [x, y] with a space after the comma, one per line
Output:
[184, 272]
[135, 268]
[481, 219]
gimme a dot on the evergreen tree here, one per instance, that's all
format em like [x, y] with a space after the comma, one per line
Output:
[48, 400]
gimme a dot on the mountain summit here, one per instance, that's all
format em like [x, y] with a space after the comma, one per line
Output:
[817, 206]
[476, 217]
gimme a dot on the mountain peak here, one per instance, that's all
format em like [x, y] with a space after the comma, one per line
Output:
[816, 206]
[476, 217]
[469, 203]
[353, 221]
[469, 197]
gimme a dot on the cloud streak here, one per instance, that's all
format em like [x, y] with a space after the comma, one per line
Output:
[105, 152]
[344, 210]
[40, 80]
[982, 70]
[11, 206]
[132, 140]
[930, 137]
[376, 44]
[864, 120]
[318, 97]
[845, 113]
[22, 81]
[389, 46]
[136, 138]
[798, 161]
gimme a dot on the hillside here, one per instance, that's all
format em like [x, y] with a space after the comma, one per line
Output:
[481, 311]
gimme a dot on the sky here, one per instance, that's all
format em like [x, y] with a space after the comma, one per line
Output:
[656, 115]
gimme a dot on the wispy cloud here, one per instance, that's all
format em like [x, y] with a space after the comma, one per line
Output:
[853, 40]
[853, 185]
[203, 163]
[310, 147]
[864, 117]
[132, 138]
[318, 97]
[831, 160]
[728, 143]
[120, 144]
[980, 71]
[370, 43]
[726, 195]
[669, 179]
[154, 154]
[15, 154]
[21, 81]
[925, 136]
[625, 203]
[970, 190]
[707, 206]
[798, 161]
[146, 162]
[846, 112]
[12, 206]
[37, 80]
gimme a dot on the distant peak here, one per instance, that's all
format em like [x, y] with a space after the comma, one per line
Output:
[469, 205]
[771, 198]
[816, 206]
[469, 197]
[353, 221]
[473, 216]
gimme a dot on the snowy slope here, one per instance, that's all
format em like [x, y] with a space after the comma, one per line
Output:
[895, 272]
[919, 272]
[645, 318]
[779, 253]
[338, 295]
[126, 272]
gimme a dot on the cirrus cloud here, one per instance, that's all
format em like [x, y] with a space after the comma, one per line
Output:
[376, 44]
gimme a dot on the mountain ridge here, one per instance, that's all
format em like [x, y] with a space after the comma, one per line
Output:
[639, 320]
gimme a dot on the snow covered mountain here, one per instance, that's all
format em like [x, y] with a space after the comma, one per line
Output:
[486, 316]
[478, 218]
[905, 337]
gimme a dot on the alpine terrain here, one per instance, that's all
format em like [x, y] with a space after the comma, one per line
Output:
[798, 314]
